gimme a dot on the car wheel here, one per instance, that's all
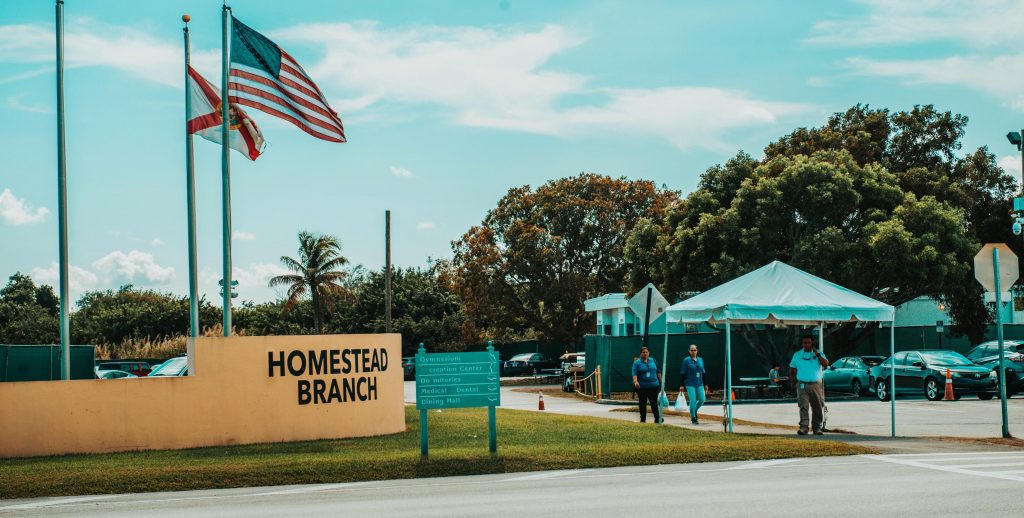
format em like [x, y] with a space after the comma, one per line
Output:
[533, 371]
[957, 396]
[985, 396]
[857, 388]
[882, 390]
[931, 390]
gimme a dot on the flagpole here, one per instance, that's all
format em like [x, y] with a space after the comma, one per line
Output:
[225, 160]
[190, 196]
[62, 204]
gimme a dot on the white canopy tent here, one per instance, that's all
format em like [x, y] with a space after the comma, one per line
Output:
[781, 294]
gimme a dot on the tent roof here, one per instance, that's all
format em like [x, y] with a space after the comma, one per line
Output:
[778, 293]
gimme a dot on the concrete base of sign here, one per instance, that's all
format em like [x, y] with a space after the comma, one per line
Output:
[244, 390]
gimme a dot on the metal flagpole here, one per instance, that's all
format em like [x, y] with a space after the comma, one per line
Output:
[62, 205]
[387, 272]
[190, 196]
[225, 161]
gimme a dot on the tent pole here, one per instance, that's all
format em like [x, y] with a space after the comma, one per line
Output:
[728, 371]
[892, 374]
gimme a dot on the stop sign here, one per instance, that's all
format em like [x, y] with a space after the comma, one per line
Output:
[984, 269]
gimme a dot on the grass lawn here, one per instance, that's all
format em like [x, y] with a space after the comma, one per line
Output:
[527, 441]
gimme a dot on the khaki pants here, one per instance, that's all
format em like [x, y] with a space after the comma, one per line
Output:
[811, 396]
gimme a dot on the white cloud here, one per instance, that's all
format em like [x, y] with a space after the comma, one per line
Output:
[500, 78]
[1001, 77]
[426, 225]
[14, 102]
[135, 267]
[1011, 165]
[16, 211]
[89, 43]
[79, 279]
[157, 242]
[245, 236]
[979, 23]
[400, 172]
[497, 78]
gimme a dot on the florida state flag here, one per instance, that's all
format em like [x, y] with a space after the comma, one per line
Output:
[204, 118]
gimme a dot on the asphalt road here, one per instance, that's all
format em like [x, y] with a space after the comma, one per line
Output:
[959, 483]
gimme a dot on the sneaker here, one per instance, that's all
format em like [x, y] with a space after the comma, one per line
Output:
[693, 420]
[819, 432]
[802, 431]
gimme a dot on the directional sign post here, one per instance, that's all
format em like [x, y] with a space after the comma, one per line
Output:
[996, 268]
[458, 380]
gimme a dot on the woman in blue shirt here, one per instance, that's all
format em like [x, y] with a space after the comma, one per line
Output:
[647, 382]
[693, 382]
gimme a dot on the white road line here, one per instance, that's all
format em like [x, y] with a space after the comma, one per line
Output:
[764, 464]
[949, 469]
[973, 453]
[310, 489]
[1019, 456]
[992, 465]
[546, 475]
[52, 502]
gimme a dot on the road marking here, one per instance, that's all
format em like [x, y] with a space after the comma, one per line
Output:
[310, 489]
[951, 453]
[546, 475]
[764, 464]
[992, 465]
[938, 467]
[996, 457]
[52, 502]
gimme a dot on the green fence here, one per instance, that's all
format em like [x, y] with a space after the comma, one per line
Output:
[615, 354]
[42, 362]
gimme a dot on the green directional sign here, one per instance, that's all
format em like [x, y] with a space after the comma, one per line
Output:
[458, 380]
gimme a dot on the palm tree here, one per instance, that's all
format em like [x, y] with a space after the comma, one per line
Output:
[317, 272]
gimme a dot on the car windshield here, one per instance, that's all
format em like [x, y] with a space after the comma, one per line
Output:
[521, 357]
[945, 358]
[170, 367]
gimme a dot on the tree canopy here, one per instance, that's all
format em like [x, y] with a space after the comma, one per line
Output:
[528, 267]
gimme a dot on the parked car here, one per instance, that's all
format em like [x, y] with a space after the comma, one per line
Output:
[924, 371]
[572, 365]
[135, 367]
[409, 367]
[527, 363]
[113, 374]
[850, 374]
[177, 366]
[987, 355]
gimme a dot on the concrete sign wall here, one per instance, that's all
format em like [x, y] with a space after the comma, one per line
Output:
[245, 390]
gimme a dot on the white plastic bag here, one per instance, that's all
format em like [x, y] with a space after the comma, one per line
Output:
[680, 401]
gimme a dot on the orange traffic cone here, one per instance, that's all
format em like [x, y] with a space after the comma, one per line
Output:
[732, 395]
[949, 387]
[540, 401]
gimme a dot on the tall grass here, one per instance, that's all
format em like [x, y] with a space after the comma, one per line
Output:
[159, 347]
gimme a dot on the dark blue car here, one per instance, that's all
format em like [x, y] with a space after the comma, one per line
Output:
[924, 372]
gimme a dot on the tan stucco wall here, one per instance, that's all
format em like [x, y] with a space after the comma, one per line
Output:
[231, 399]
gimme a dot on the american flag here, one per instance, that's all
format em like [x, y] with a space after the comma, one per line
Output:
[265, 77]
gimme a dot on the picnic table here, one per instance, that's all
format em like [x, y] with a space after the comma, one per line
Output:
[758, 386]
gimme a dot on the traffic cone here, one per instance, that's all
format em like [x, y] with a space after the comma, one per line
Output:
[949, 387]
[732, 395]
[540, 401]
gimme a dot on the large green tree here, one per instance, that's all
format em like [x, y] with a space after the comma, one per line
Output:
[28, 313]
[318, 272]
[540, 253]
[880, 202]
[113, 318]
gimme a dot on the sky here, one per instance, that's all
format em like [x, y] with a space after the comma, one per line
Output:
[446, 105]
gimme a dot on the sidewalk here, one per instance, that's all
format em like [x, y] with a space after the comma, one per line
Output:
[870, 431]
